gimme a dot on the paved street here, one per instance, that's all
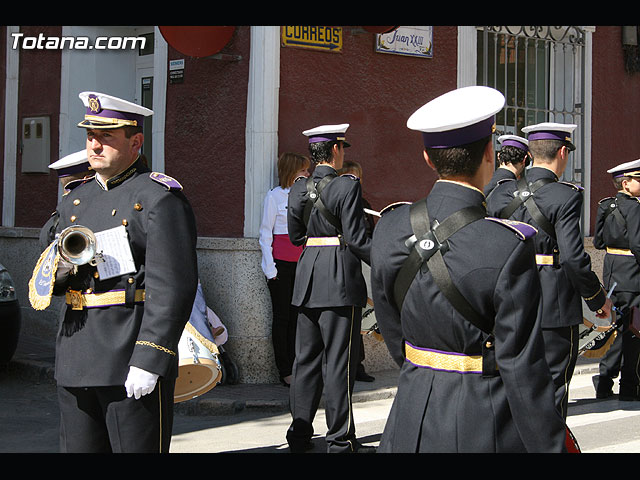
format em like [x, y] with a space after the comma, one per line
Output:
[29, 423]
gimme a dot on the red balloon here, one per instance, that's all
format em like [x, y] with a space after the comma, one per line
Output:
[197, 41]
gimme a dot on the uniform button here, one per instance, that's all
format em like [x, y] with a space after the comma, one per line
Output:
[73, 218]
[113, 212]
[96, 275]
[137, 206]
[76, 201]
[130, 280]
[124, 222]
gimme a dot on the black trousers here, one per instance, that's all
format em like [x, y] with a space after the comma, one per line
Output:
[283, 329]
[327, 350]
[561, 353]
[105, 420]
[624, 355]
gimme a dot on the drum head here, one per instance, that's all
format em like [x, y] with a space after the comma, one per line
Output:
[199, 368]
[196, 379]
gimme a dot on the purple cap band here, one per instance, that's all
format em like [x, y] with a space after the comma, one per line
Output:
[550, 135]
[94, 109]
[515, 143]
[459, 136]
[109, 114]
[327, 137]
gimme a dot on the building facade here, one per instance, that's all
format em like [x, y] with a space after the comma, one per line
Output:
[222, 115]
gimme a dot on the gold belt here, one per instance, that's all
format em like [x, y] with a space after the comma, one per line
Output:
[79, 300]
[323, 241]
[620, 251]
[445, 361]
[544, 259]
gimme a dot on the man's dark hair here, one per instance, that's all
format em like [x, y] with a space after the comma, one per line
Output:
[130, 131]
[511, 155]
[321, 152]
[458, 161]
[617, 182]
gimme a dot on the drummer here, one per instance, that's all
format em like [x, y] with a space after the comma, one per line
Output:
[554, 208]
[513, 157]
[473, 376]
[330, 291]
[617, 231]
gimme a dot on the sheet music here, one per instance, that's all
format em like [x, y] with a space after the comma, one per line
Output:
[116, 253]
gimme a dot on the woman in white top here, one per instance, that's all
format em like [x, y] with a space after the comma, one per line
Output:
[279, 260]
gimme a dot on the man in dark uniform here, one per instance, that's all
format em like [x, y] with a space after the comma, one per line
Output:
[116, 349]
[554, 208]
[618, 231]
[512, 158]
[469, 382]
[325, 214]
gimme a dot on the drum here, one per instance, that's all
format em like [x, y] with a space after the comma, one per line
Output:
[369, 322]
[595, 335]
[199, 368]
[571, 443]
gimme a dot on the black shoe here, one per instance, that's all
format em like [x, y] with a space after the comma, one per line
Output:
[364, 377]
[628, 394]
[628, 398]
[363, 449]
[603, 386]
[601, 394]
[301, 448]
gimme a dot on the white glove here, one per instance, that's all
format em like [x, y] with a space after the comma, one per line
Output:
[63, 271]
[140, 382]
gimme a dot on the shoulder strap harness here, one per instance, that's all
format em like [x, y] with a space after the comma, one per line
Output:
[313, 193]
[524, 195]
[614, 209]
[426, 246]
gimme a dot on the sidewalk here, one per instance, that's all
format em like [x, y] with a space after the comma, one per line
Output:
[34, 359]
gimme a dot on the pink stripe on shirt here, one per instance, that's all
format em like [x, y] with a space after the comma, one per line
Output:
[283, 249]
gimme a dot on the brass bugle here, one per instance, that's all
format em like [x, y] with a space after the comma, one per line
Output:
[77, 245]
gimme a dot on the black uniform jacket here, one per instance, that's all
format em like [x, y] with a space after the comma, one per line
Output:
[96, 346]
[493, 267]
[499, 175]
[571, 277]
[621, 236]
[330, 276]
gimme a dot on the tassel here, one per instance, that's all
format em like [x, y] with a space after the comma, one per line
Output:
[43, 278]
[600, 351]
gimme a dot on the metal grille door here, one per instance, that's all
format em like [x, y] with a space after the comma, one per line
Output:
[540, 71]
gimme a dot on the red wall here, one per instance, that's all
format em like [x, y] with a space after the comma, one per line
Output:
[375, 93]
[615, 124]
[39, 93]
[205, 136]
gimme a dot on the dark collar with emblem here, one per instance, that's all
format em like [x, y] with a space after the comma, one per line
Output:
[135, 168]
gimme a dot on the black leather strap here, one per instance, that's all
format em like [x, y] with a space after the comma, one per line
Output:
[613, 209]
[313, 200]
[427, 245]
[524, 195]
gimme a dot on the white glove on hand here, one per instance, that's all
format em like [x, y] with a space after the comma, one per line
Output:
[63, 271]
[140, 382]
